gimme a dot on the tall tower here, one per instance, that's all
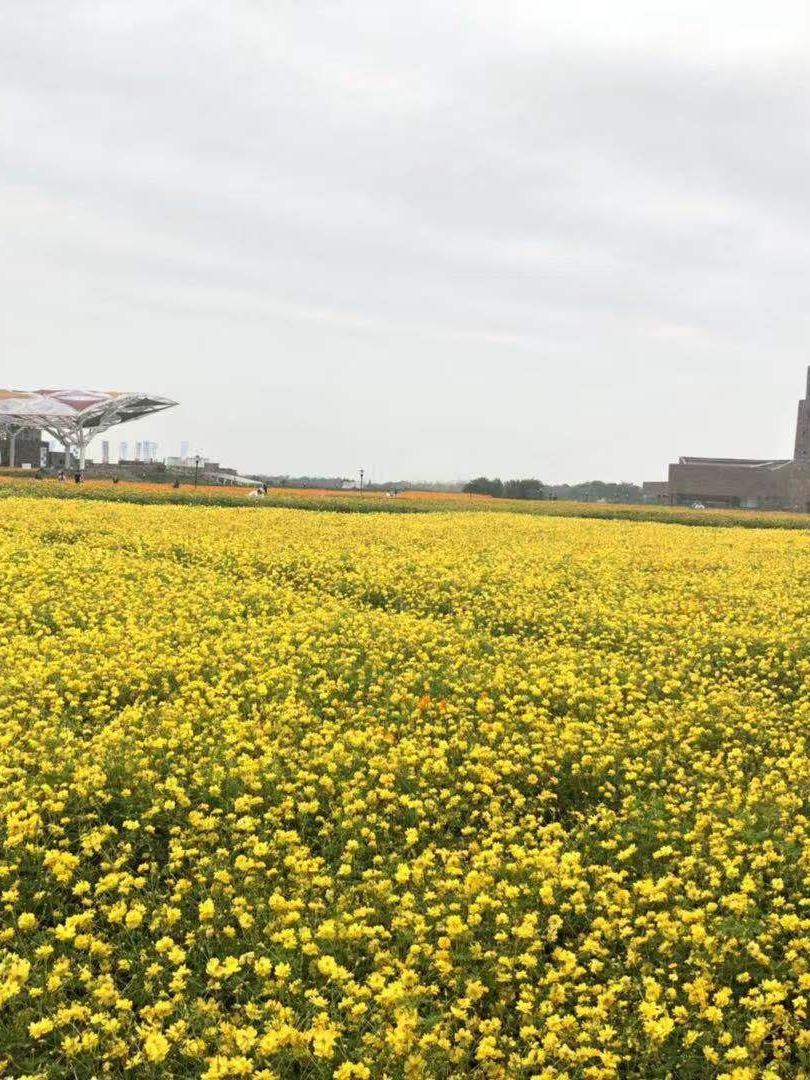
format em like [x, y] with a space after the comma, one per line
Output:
[105, 452]
[802, 451]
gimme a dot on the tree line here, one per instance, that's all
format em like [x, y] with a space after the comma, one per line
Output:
[589, 491]
[506, 489]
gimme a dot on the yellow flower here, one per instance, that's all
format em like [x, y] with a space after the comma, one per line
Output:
[38, 1029]
[352, 1071]
[206, 910]
[134, 917]
[455, 926]
[324, 1036]
[155, 1046]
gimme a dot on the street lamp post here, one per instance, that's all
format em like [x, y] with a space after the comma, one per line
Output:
[196, 467]
[362, 474]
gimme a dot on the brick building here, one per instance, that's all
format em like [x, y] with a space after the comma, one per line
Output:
[758, 483]
[26, 449]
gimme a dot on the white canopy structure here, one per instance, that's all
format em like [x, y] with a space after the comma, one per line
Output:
[74, 417]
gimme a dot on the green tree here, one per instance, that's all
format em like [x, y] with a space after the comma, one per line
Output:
[482, 485]
[524, 489]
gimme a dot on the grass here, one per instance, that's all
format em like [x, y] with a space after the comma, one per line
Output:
[407, 502]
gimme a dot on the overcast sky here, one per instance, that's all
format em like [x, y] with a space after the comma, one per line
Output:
[431, 239]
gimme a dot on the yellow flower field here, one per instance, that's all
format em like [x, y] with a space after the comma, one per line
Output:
[290, 794]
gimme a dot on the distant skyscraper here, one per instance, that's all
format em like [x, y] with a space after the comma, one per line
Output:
[138, 450]
[105, 452]
[184, 448]
[123, 451]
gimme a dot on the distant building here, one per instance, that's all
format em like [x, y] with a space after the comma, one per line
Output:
[23, 450]
[655, 491]
[138, 450]
[123, 451]
[105, 452]
[140, 467]
[184, 448]
[189, 462]
[204, 468]
[756, 483]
